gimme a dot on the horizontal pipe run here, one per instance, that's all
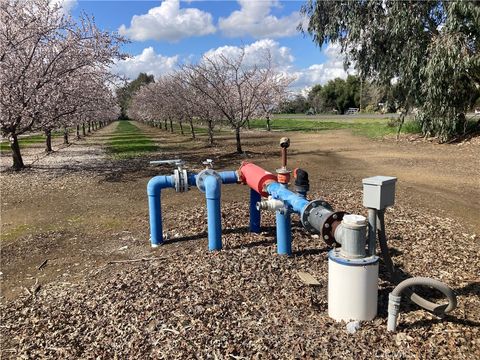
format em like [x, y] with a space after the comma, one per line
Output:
[228, 177]
[294, 201]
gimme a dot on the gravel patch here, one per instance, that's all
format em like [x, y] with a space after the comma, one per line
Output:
[247, 302]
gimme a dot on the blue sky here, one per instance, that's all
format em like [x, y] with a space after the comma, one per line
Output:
[166, 33]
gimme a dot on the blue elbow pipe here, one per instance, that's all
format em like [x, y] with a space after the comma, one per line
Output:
[254, 212]
[284, 233]
[154, 189]
[294, 201]
[212, 192]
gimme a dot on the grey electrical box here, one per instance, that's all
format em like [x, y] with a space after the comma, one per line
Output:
[379, 192]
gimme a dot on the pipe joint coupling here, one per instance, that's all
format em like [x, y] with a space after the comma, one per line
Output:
[202, 175]
[180, 178]
[270, 204]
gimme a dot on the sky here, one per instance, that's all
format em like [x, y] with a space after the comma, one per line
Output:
[164, 34]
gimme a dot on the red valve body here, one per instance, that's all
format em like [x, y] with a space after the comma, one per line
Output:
[256, 177]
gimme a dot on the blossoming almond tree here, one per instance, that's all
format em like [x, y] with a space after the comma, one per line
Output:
[40, 48]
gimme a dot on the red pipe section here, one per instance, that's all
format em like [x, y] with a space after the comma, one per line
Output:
[256, 177]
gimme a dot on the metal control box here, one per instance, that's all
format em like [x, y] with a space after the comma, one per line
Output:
[379, 192]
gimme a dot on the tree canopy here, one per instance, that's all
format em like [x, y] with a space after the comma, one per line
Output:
[431, 48]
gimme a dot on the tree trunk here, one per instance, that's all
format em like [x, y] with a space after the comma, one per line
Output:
[78, 131]
[248, 124]
[237, 138]
[89, 126]
[192, 129]
[402, 120]
[65, 135]
[269, 127]
[48, 141]
[210, 132]
[166, 127]
[16, 155]
[181, 128]
[171, 125]
[83, 129]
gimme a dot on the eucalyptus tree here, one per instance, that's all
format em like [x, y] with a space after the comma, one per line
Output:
[40, 47]
[430, 47]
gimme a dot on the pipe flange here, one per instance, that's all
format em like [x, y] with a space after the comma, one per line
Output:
[315, 206]
[329, 226]
[202, 175]
[180, 177]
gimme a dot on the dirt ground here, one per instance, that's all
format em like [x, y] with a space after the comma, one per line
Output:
[74, 211]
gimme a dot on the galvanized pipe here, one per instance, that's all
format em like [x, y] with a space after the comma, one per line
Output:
[372, 231]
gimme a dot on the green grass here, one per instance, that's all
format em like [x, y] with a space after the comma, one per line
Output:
[373, 128]
[129, 141]
[30, 140]
[23, 142]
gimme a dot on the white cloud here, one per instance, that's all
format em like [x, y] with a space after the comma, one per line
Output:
[321, 73]
[254, 19]
[65, 5]
[280, 55]
[283, 60]
[168, 22]
[148, 62]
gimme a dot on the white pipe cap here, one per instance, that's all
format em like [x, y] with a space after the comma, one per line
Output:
[353, 219]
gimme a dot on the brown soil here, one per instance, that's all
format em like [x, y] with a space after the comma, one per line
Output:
[78, 208]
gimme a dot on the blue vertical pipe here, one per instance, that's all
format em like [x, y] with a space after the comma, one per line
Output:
[154, 189]
[254, 212]
[212, 193]
[284, 233]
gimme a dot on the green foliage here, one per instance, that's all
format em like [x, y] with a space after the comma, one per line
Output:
[128, 141]
[297, 105]
[337, 94]
[430, 47]
[125, 93]
[372, 128]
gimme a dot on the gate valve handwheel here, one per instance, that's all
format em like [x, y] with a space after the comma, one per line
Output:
[208, 164]
[284, 142]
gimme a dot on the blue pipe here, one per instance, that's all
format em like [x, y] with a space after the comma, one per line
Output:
[284, 233]
[228, 177]
[154, 189]
[294, 201]
[212, 193]
[254, 212]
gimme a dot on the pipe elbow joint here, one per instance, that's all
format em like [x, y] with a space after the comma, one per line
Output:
[212, 187]
[157, 183]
